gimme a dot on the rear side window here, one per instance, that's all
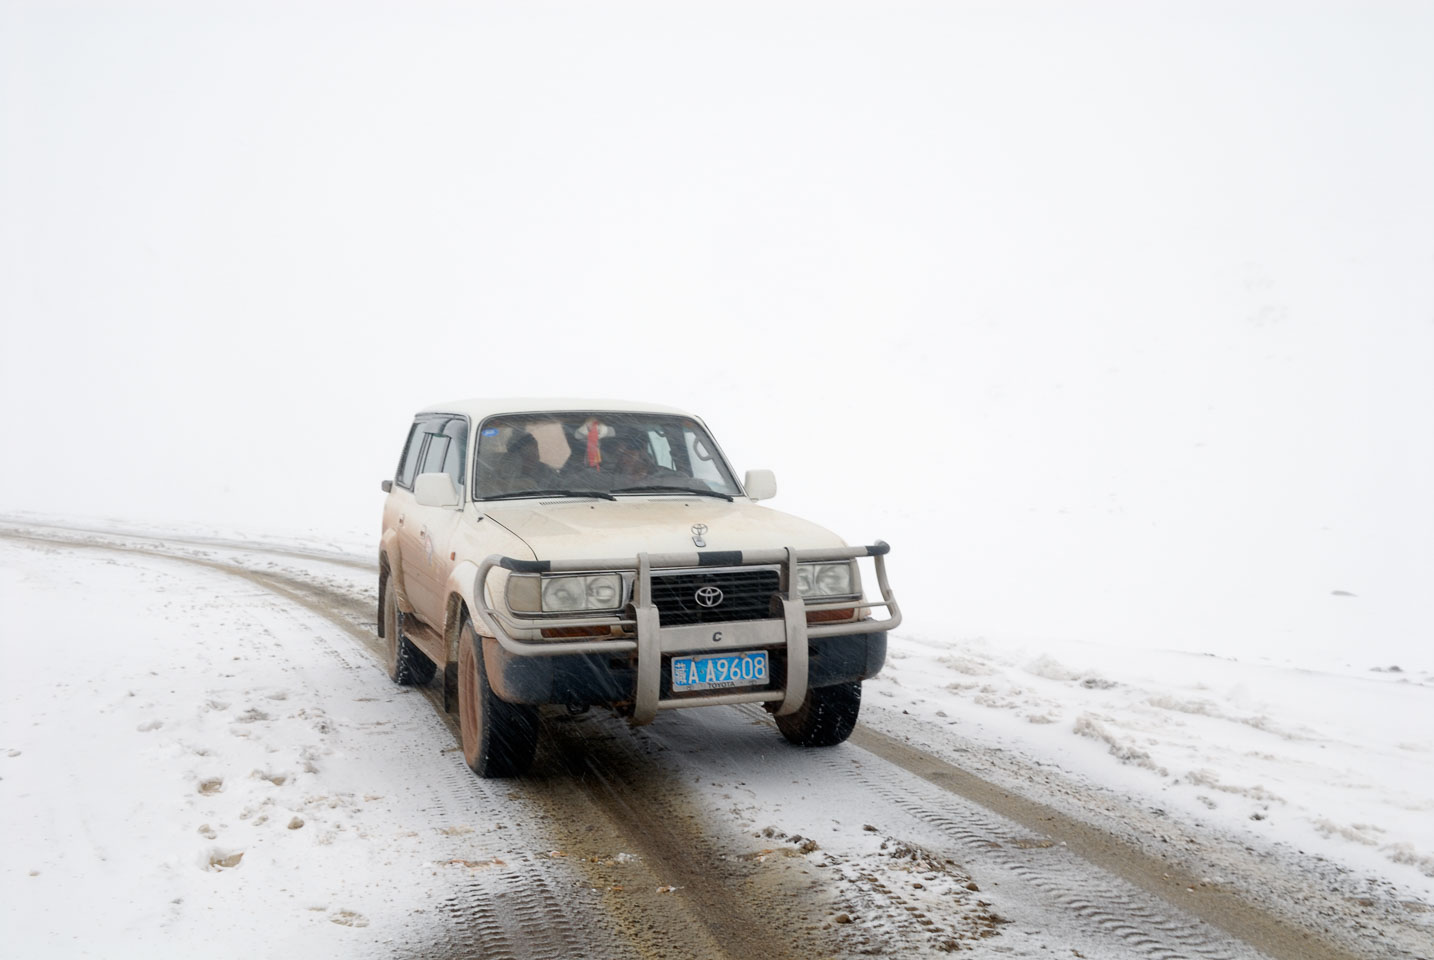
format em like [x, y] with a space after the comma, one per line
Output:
[408, 462]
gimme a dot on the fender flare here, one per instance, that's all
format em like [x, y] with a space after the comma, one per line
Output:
[388, 550]
[460, 584]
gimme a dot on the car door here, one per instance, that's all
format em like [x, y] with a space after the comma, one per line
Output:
[401, 515]
[434, 528]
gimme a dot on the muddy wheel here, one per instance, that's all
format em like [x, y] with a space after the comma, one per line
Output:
[499, 738]
[827, 716]
[406, 663]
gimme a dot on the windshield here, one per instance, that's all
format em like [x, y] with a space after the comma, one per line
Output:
[586, 452]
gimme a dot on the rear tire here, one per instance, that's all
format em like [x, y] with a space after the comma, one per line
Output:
[499, 738]
[406, 663]
[826, 717]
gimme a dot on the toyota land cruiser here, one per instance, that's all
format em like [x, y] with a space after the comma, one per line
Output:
[584, 552]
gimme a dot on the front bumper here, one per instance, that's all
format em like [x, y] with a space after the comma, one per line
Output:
[582, 679]
[632, 666]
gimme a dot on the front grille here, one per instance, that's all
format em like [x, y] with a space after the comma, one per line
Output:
[746, 595]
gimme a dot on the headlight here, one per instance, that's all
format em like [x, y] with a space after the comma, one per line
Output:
[824, 580]
[581, 594]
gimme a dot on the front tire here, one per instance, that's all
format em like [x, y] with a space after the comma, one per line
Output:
[826, 717]
[499, 738]
[406, 663]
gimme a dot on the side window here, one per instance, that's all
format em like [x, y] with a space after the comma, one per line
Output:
[438, 446]
[447, 441]
[408, 463]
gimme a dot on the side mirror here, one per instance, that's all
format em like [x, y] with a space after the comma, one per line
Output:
[387, 486]
[436, 490]
[760, 484]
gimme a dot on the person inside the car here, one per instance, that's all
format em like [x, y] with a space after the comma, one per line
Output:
[633, 464]
[522, 467]
[630, 458]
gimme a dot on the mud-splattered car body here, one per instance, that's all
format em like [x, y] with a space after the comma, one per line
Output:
[587, 552]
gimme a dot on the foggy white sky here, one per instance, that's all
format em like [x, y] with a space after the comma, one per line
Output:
[1117, 321]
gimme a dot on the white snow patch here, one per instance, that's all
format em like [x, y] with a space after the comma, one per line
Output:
[1051, 669]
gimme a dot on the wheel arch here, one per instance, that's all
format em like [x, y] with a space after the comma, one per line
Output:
[390, 564]
[459, 590]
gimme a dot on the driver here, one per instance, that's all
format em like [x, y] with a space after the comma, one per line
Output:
[631, 457]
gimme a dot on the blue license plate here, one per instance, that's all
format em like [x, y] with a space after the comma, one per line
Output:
[719, 671]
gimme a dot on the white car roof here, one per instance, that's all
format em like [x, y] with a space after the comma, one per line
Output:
[479, 408]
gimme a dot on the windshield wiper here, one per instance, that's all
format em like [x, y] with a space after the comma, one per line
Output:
[558, 493]
[659, 488]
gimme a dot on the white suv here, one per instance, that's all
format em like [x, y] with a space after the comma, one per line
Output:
[593, 552]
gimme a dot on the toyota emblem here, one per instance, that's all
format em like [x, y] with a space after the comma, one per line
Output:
[708, 596]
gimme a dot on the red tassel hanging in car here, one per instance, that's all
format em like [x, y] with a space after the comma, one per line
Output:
[594, 451]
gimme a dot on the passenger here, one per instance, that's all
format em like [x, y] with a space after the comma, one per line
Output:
[523, 468]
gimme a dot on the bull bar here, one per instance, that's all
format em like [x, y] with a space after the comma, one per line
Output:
[652, 640]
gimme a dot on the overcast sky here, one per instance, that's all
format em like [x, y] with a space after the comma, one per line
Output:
[1117, 320]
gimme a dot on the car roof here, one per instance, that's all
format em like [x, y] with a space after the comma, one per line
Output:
[480, 408]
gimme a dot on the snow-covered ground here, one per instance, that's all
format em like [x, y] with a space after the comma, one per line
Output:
[1337, 763]
[185, 751]
[190, 766]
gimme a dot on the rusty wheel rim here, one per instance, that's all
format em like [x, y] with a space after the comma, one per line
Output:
[392, 649]
[468, 698]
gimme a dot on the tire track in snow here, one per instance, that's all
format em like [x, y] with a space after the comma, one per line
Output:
[680, 896]
[1044, 870]
[1130, 884]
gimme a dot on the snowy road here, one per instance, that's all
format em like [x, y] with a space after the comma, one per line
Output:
[200, 747]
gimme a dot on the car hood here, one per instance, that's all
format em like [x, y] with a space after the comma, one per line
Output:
[588, 530]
